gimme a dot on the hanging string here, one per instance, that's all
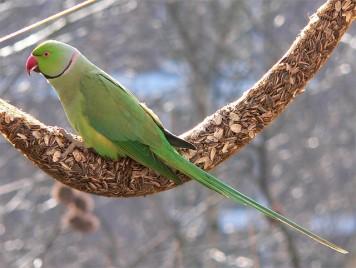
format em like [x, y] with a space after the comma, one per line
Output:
[46, 20]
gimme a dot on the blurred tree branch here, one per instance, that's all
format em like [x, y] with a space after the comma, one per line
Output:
[203, 73]
[59, 25]
[263, 177]
[217, 137]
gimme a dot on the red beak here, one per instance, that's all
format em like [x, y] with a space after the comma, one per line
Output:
[31, 65]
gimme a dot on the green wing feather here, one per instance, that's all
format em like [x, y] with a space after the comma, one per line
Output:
[122, 121]
[118, 117]
[173, 139]
[126, 123]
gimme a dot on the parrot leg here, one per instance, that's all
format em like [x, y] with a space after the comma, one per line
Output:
[74, 144]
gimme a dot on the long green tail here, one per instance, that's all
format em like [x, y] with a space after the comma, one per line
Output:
[175, 160]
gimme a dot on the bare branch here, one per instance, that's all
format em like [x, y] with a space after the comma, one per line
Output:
[56, 27]
[217, 137]
[46, 20]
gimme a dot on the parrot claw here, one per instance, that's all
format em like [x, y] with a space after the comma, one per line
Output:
[74, 143]
[71, 147]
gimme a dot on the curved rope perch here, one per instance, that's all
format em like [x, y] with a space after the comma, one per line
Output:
[217, 137]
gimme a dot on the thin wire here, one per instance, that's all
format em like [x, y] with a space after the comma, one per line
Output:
[44, 21]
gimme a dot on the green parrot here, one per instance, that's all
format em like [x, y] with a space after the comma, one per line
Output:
[115, 124]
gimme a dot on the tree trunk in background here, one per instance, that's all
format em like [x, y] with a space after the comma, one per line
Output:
[270, 49]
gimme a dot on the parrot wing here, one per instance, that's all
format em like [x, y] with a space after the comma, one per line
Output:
[173, 139]
[122, 121]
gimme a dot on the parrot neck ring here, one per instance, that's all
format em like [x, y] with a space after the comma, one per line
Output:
[32, 65]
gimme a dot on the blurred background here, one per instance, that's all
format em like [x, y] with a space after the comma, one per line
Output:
[185, 59]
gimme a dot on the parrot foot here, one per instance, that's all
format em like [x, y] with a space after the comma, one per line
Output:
[74, 143]
[72, 146]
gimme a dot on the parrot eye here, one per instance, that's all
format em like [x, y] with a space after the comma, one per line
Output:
[46, 54]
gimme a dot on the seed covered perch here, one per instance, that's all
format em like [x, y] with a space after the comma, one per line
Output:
[217, 137]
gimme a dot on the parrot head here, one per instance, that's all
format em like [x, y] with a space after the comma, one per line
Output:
[51, 58]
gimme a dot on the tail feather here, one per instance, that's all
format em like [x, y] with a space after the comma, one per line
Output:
[176, 161]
